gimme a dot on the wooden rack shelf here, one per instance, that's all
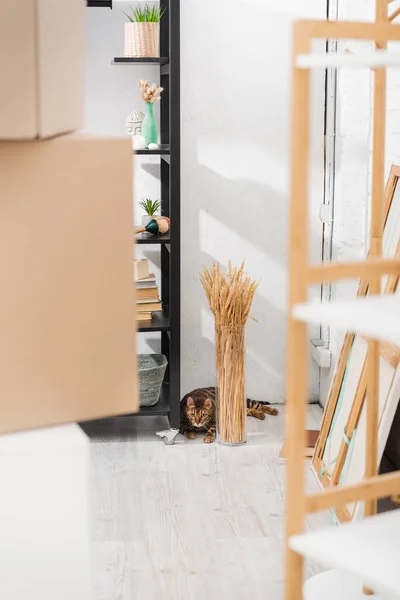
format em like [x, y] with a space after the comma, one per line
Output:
[374, 317]
[346, 547]
[356, 547]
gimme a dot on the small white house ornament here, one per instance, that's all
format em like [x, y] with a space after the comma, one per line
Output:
[133, 123]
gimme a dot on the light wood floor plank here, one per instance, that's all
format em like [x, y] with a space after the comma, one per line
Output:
[192, 521]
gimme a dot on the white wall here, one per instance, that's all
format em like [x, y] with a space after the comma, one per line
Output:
[235, 173]
[235, 164]
[353, 164]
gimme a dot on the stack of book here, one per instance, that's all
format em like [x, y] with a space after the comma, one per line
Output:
[147, 298]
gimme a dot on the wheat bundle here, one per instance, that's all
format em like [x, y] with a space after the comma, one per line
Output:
[230, 301]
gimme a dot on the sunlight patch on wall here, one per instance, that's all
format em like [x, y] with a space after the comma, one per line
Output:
[207, 324]
[300, 9]
[242, 161]
[265, 366]
[218, 241]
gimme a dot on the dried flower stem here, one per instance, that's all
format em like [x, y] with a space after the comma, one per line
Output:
[149, 93]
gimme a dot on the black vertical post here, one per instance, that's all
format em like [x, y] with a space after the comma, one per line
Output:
[164, 74]
[165, 299]
[175, 210]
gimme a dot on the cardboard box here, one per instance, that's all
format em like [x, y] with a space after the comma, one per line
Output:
[42, 66]
[67, 305]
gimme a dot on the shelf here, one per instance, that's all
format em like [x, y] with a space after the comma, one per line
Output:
[380, 58]
[162, 149]
[369, 549]
[161, 408]
[129, 2]
[149, 61]
[337, 585]
[123, 425]
[99, 3]
[149, 238]
[374, 317]
[159, 322]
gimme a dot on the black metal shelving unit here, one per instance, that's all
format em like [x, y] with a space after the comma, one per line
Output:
[99, 3]
[168, 321]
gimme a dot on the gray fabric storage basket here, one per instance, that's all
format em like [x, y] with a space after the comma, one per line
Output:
[151, 374]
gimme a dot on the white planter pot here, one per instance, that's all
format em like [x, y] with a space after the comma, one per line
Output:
[142, 40]
[146, 219]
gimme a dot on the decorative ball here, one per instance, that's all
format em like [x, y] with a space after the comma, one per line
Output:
[163, 225]
[153, 146]
[138, 142]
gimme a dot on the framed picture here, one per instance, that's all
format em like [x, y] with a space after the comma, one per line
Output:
[339, 455]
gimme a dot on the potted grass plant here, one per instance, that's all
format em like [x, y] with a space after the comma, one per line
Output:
[142, 32]
[151, 208]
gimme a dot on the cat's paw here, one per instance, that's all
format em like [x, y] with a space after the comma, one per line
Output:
[257, 414]
[209, 438]
[190, 435]
[274, 411]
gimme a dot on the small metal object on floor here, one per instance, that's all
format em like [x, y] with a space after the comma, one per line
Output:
[168, 435]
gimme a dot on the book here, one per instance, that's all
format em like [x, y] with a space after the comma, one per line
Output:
[147, 295]
[141, 268]
[148, 306]
[151, 286]
[148, 286]
[151, 277]
[144, 316]
[148, 282]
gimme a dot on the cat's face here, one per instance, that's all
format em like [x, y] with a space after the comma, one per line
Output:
[200, 413]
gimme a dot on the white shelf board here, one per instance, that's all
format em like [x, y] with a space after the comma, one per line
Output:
[375, 317]
[337, 585]
[380, 58]
[368, 549]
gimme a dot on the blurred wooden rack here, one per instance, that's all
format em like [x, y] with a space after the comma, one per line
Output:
[301, 275]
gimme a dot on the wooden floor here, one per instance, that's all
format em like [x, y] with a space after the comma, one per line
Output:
[190, 521]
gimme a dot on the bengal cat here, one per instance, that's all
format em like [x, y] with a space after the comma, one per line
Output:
[198, 413]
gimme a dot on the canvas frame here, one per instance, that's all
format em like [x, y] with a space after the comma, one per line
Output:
[388, 351]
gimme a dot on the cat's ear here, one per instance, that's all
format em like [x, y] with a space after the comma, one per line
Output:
[208, 403]
[190, 402]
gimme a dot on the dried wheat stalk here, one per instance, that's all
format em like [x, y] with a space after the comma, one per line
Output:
[149, 93]
[230, 300]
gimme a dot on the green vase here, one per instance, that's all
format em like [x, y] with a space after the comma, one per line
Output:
[149, 126]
